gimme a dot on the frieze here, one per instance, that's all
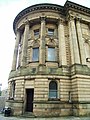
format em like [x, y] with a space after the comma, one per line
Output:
[86, 38]
[60, 9]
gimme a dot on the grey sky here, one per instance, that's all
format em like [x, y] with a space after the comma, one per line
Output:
[8, 11]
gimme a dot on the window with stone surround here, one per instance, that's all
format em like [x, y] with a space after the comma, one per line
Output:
[53, 92]
[35, 55]
[36, 32]
[51, 54]
[50, 32]
[12, 90]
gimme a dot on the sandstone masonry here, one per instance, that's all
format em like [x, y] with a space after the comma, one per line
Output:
[50, 73]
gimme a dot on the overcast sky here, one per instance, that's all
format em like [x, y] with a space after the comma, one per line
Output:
[8, 11]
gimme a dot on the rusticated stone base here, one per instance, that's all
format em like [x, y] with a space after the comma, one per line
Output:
[82, 109]
[16, 107]
[52, 108]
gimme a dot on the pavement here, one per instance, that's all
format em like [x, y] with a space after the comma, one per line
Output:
[2, 117]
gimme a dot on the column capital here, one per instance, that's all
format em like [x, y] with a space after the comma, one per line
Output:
[18, 30]
[43, 18]
[61, 21]
[71, 17]
[26, 22]
[78, 18]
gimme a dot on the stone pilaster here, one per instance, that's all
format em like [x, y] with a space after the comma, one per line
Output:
[42, 46]
[80, 40]
[19, 90]
[42, 42]
[14, 63]
[62, 47]
[25, 44]
[75, 58]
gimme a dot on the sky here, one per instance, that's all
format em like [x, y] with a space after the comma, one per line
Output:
[8, 11]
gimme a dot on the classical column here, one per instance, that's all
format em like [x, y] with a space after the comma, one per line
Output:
[62, 47]
[42, 42]
[80, 40]
[25, 44]
[75, 58]
[14, 63]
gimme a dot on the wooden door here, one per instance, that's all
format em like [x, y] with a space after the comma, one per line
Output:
[29, 100]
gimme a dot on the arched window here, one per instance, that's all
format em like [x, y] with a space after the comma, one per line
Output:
[53, 89]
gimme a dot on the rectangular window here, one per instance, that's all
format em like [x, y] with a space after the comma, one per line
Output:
[50, 32]
[35, 56]
[36, 32]
[51, 54]
[13, 89]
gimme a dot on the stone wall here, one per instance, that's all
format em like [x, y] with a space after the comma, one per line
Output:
[2, 102]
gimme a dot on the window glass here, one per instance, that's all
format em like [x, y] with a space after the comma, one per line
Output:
[53, 89]
[51, 32]
[51, 54]
[35, 56]
[13, 89]
[36, 32]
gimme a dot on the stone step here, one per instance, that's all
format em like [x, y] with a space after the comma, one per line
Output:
[28, 115]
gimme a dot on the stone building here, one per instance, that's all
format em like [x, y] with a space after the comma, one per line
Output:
[50, 73]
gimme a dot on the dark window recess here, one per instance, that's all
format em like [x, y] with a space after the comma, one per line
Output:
[52, 70]
[13, 89]
[33, 70]
[36, 32]
[51, 54]
[35, 56]
[50, 32]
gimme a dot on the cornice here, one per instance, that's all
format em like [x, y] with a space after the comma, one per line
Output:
[61, 9]
[76, 6]
[37, 7]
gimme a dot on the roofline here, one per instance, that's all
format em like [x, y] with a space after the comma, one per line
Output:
[41, 6]
[75, 4]
[36, 7]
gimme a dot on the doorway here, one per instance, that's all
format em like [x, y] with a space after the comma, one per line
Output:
[29, 100]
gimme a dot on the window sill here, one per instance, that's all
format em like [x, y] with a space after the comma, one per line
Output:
[33, 62]
[51, 61]
[53, 99]
[10, 98]
[51, 36]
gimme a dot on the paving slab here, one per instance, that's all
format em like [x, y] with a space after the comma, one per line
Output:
[2, 117]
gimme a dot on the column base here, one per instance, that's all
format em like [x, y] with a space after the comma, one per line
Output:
[41, 68]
